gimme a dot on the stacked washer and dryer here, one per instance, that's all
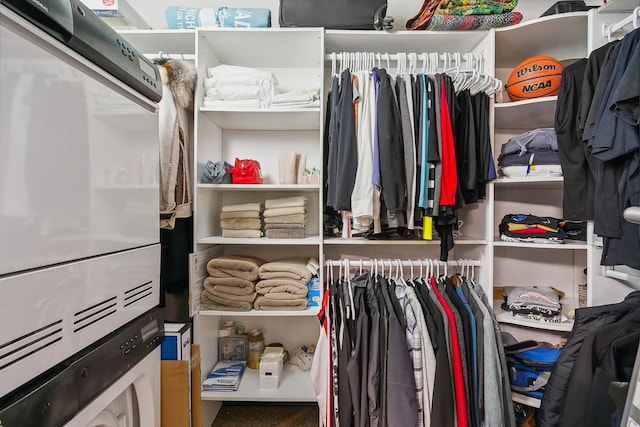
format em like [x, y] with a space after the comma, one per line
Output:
[79, 226]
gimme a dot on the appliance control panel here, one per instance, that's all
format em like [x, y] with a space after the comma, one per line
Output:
[75, 25]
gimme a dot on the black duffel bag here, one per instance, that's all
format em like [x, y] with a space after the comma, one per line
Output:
[335, 14]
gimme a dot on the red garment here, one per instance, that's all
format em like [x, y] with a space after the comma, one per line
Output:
[449, 171]
[456, 361]
[532, 230]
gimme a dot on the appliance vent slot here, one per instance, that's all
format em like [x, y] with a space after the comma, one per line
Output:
[30, 343]
[134, 295]
[93, 314]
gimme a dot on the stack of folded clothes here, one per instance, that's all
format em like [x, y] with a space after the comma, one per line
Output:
[533, 302]
[241, 220]
[531, 154]
[283, 285]
[233, 86]
[285, 218]
[530, 228]
[231, 285]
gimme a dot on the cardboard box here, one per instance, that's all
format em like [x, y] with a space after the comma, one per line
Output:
[176, 343]
[180, 391]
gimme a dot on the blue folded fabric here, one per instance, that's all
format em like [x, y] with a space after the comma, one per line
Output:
[179, 17]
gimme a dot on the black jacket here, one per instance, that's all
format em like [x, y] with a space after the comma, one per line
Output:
[587, 320]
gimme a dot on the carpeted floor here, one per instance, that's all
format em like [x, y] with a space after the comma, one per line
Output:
[266, 415]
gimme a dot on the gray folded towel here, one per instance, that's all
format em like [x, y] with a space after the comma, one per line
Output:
[284, 233]
[282, 226]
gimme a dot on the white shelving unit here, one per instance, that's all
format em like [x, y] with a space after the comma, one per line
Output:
[295, 57]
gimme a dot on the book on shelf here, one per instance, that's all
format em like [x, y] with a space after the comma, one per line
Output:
[225, 376]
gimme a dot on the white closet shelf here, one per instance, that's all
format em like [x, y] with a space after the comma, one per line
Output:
[401, 242]
[295, 386]
[568, 304]
[554, 35]
[219, 240]
[312, 188]
[525, 400]
[265, 119]
[309, 311]
[528, 114]
[544, 246]
[530, 182]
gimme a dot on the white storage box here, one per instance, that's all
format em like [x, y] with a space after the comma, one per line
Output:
[269, 382]
[271, 361]
[176, 343]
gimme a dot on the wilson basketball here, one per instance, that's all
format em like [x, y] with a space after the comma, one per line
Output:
[534, 77]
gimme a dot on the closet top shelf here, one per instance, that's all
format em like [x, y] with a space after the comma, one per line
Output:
[402, 41]
[615, 6]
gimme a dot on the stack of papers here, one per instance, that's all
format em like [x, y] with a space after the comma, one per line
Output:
[225, 376]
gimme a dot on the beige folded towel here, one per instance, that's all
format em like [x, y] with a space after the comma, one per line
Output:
[294, 288]
[213, 302]
[284, 211]
[241, 224]
[239, 266]
[287, 219]
[263, 303]
[240, 214]
[230, 285]
[285, 202]
[282, 226]
[286, 268]
[242, 233]
[243, 207]
[231, 297]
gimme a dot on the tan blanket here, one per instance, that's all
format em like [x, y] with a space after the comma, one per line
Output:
[285, 202]
[230, 285]
[286, 268]
[231, 297]
[263, 303]
[254, 234]
[284, 233]
[284, 288]
[292, 210]
[243, 207]
[213, 302]
[286, 219]
[241, 267]
[240, 214]
[241, 224]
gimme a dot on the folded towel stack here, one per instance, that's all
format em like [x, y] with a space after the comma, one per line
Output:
[285, 218]
[241, 220]
[231, 285]
[283, 285]
[236, 86]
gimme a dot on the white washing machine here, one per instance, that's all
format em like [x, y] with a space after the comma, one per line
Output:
[133, 401]
[113, 383]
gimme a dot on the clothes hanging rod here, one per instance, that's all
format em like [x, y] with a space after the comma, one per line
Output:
[382, 56]
[162, 55]
[633, 18]
[404, 262]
